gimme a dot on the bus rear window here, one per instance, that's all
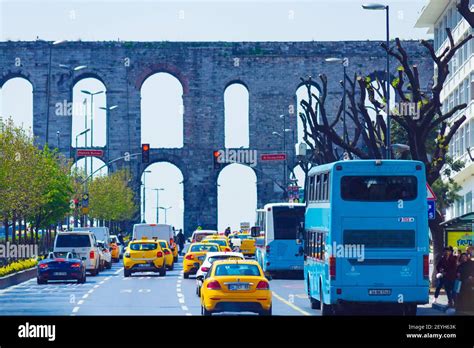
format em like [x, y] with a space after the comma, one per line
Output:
[286, 221]
[380, 238]
[378, 188]
[73, 241]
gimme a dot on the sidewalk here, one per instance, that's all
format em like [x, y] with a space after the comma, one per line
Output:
[442, 304]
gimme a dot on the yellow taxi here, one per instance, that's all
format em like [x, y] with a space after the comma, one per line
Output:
[169, 259]
[115, 251]
[236, 286]
[144, 255]
[174, 250]
[195, 257]
[221, 241]
[247, 243]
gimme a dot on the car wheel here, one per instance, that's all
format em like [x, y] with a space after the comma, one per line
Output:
[126, 273]
[41, 281]
[185, 275]
[266, 312]
[95, 272]
[172, 266]
[163, 271]
[175, 259]
[109, 265]
[198, 291]
[205, 312]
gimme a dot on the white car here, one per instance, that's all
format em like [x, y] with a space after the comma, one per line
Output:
[105, 255]
[199, 235]
[207, 263]
[84, 244]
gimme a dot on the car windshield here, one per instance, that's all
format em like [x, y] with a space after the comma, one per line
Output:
[200, 236]
[203, 247]
[143, 246]
[223, 257]
[237, 269]
[163, 244]
[221, 242]
[73, 240]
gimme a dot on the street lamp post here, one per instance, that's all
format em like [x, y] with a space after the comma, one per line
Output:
[158, 203]
[283, 136]
[107, 114]
[144, 194]
[345, 64]
[58, 134]
[77, 136]
[379, 7]
[48, 90]
[166, 210]
[92, 94]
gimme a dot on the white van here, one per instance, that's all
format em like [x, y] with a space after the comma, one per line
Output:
[153, 231]
[101, 233]
[199, 235]
[84, 244]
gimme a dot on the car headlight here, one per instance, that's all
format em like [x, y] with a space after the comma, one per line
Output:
[127, 255]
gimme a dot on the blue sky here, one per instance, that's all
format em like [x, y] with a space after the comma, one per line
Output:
[265, 20]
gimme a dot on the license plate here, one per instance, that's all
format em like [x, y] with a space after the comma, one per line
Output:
[60, 273]
[380, 292]
[238, 286]
[143, 265]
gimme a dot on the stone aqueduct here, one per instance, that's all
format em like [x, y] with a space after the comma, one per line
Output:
[270, 71]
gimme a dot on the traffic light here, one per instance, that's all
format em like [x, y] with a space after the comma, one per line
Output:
[216, 155]
[145, 153]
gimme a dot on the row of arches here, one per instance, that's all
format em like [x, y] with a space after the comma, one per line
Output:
[161, 111]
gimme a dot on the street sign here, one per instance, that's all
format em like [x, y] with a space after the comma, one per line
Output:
[85, 201]
[431, 210]
[89, 153]
[273, 157]
[429, 193]
[85, 210]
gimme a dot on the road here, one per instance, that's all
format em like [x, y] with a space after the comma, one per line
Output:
[110, 293]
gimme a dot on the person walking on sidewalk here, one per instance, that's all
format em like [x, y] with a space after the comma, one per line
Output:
[465, 274]
[446, 269]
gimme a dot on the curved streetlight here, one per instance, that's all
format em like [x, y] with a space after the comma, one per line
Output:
[166, 210]
[380, 7]
[345, 64]
[92, 94]
[145, 172]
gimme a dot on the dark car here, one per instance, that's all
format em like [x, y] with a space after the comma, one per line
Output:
[61, 266]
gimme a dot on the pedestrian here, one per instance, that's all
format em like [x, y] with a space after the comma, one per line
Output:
[120, 238]
[227, 231]
[446, 269]
[180, 240]
[465, 275]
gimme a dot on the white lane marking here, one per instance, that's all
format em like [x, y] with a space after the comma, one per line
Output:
[181, 300]
[118, 271]
[85, 296]
[102, 282]
[189, 314]
[126, 290]
[296, 308]
[178, 290]
[180, 295]
[184, 308]
[75, 309]
[107, 278]
[144, 290]
[80, 302]
[90, 291]
[141, 278]
[96, 286]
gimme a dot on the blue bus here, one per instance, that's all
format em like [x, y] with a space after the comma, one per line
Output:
[366, 236]
[280, 249]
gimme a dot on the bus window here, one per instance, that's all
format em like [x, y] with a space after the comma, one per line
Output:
[318, 188]
[378, 188]
[286, 221]
[311, 188]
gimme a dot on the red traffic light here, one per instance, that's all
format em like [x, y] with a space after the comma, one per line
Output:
[145, 147]
[216, 154]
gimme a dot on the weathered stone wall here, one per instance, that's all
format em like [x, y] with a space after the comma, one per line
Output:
[270, 70]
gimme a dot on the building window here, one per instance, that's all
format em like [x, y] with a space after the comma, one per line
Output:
[469, 202]
[461, 205]
[461, 141]
[467, 138]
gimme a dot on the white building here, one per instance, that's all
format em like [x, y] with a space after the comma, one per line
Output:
[459, 88]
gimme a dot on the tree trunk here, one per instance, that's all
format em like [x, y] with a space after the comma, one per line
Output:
[5, 224]
[14, 229]
[437, 233]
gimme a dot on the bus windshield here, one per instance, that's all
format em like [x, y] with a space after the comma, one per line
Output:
[378, 188]
[286, 221]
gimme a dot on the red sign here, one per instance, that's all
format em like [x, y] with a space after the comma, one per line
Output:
[273, 157]
[89, 153]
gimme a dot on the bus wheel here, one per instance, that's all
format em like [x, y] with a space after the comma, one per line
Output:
[410, 309]
[326, 310]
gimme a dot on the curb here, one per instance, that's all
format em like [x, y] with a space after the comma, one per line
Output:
[440, 307]
[17, 278]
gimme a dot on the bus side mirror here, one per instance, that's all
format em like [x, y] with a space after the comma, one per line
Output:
[255, 231]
